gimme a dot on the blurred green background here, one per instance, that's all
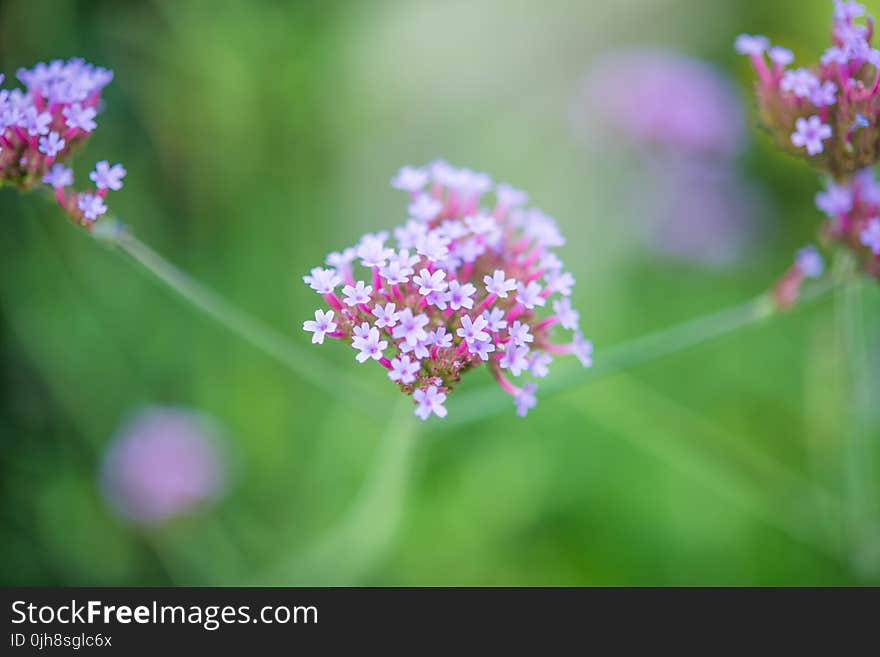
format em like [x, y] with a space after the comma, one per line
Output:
[258, 136]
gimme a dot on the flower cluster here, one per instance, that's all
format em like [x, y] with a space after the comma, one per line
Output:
[853, 211]
[464, 285]
[827, 112]
[44, 124]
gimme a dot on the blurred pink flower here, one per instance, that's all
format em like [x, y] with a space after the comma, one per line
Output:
[657, 98]
[700, 212]
[163, 463]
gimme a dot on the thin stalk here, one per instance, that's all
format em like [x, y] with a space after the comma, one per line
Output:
[859, 452]
[608, 361]
[350, 547]
[301, 362]
[703, 451]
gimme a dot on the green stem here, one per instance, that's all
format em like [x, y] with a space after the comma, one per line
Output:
[350, 548]
[301, 362]
[486, 402]
[859, 451]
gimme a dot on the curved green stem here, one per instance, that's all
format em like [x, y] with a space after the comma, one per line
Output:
[303, 363]
[362, 534]
[484, 403]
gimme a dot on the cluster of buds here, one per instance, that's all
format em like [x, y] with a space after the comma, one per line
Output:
[829, 113]
[463, 287]
[44, 124]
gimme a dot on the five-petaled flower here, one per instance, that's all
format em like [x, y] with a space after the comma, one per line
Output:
[358, 293]
[320, 326]
[51, 144]
[404, 369]
[91, 205]
[430, 400]
[369, 345]
[430, 282]
[472, 330]
[498, 285]
[106, 177]
[810, 133]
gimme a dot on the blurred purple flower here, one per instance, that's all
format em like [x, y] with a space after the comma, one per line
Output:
[660, 98]
[163, 463]
[700, 212]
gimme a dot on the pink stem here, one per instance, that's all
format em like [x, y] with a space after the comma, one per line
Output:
[377, 282]
[558, 348]
[488, 301]
[506, 385]
[761, 69]
[515, 312]
[544, 323]
[451, 203]
[532, 256]
[333, 301]
[470, 205]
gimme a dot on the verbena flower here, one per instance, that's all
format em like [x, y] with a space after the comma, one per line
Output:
[465, 282]
[664, 99]
[42, 125]
[683, 121]
[164, 463]
[852, 209]
[829, 113]
[826, 112]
